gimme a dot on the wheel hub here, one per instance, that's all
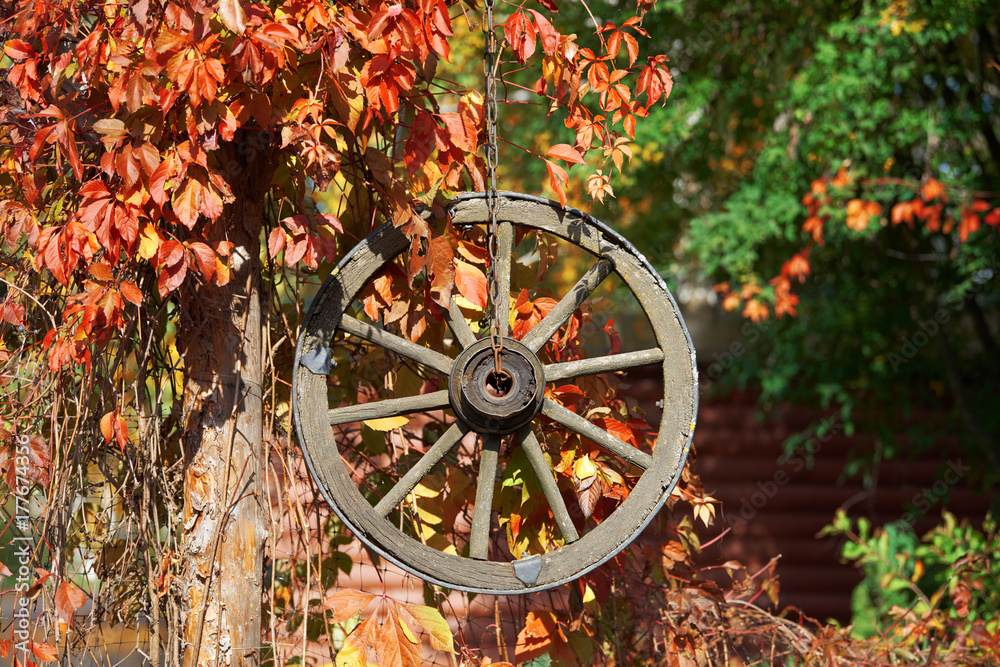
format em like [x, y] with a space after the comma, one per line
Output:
[492, 404]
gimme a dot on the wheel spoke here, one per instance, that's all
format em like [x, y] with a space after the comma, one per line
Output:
[613, 362]
[547, 480]
[596, 434]
[482, 511]
[418, 353]
[423, 466]
[535, 339]
[505, 248]
[390, 407]
[458, 325]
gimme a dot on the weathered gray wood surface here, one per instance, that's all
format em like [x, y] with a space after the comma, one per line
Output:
[390, 407]
[663, 468]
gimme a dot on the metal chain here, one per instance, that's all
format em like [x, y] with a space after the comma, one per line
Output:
[492, 195]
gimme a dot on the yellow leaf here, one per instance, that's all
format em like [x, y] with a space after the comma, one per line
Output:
[387, 423]
[149, 242]
[584, 468]
[406, 631]
[433, 622]
[429, 487]
[354, 652]
[465, 303]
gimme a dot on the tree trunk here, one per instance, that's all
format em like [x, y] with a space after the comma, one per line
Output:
[222, 541]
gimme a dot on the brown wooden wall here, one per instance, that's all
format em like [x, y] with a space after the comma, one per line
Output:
[737, 459]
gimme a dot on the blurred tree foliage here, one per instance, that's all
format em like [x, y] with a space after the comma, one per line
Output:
[874, 109]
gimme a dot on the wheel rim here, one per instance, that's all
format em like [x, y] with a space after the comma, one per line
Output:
[662, 469]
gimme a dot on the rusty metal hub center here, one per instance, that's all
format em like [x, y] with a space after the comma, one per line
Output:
[492, 404]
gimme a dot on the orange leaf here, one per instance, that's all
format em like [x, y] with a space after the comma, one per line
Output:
[814, 226]
[520, 34]
[232, 15]
[731, 302]
[471, 283]
[675, 551]
[968, 224]
[842, 179]
[566, 152]
[187, 202]
[441, 266]
[44, 651]
[69, 598]
[393, 647]
[536, 637]
[797, 266]
[204, 258]
[859, 212]
[106, 425]
[346, 603]
[462, 130]
[549, 35]
[131, 292]
[557, 179]
[616, 428]
[933, 189]
[755, 310]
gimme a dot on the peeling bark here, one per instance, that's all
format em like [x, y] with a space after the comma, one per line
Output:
[219, 584]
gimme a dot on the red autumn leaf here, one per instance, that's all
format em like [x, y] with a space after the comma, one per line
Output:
[420, 145]
[549, 35]
[275, 242]
[520, 34]
[204, 259]
[471, 283]
[797, 266]
[904, 211]
[171, 277]
[616, 428]
[131, 292]
[613, 337]
[462, 130]
[568, 394]
[441, 267]
[115, 428]
[17, 49]
[44, 651]
[69, 598]
[968, 224]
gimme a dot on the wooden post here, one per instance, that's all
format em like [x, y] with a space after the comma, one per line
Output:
[220, 576]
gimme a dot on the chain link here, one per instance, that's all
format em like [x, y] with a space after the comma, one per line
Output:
[492, 195]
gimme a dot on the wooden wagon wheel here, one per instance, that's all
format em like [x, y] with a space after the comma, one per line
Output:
[477, 408]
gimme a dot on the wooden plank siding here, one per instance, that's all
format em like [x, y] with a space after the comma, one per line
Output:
[738, 461]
